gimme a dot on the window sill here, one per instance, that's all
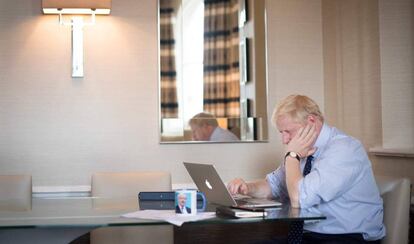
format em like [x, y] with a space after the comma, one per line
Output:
[394, 152]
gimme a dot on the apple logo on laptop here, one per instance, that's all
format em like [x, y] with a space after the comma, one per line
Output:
[209, 185]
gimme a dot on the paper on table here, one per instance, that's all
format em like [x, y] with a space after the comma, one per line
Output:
[169, 215]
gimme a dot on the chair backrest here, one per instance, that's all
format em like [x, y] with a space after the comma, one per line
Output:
[395, 193]
[15, 192]
[14, 187]
[128, 184]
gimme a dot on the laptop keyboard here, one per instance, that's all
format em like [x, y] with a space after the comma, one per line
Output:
[241, 201]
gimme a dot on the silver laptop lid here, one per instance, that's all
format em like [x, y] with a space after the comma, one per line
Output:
[208, 181]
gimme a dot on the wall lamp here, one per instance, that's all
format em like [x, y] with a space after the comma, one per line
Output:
[77, 7]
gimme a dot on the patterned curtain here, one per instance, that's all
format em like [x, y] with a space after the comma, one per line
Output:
[221, 58]
[169, 104]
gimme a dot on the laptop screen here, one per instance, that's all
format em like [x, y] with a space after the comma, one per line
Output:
[209, 182]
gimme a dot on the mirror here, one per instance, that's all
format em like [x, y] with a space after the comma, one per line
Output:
[212, 63]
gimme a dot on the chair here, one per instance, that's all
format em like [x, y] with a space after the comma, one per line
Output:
[128, 185]
[16, 192]
[395, 193]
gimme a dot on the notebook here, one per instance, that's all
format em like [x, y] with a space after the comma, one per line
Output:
[208, 181]
[238, 213]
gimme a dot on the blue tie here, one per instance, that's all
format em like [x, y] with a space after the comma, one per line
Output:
[308, 166]
[296, 228]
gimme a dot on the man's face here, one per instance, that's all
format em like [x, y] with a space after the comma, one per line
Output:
[287, 127]
[182, 199]
[201, 133]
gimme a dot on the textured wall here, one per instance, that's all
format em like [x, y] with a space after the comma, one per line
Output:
[367, 66]
[61, 130]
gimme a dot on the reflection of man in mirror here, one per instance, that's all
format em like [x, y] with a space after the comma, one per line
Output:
[181, 208]
[205, 128]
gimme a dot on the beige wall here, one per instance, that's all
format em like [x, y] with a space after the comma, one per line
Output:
[354, 76]
[61, 130]
[397, 72]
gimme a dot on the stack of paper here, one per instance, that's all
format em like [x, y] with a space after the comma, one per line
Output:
[169, 215]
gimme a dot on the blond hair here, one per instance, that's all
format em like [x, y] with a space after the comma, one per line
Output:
[298, 107]
[203, 119]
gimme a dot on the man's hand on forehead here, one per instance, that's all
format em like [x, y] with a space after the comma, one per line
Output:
[302, 143]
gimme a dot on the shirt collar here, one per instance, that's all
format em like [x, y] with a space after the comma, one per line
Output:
[322, 140]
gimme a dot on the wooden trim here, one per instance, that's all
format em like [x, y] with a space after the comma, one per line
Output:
[393, 152]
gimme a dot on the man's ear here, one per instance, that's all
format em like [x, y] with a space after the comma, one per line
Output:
[210, 128]
[311, 119]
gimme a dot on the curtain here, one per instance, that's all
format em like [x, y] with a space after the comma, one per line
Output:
[168, 82]
[221, 58]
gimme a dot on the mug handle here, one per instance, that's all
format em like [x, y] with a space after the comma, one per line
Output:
[204, 200]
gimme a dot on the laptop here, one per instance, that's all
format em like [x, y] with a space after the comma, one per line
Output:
[208, 181]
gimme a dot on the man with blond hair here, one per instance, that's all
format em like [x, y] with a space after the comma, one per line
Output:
[325, 171]
[204, 127]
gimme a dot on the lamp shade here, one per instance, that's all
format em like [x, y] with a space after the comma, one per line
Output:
[76, 6]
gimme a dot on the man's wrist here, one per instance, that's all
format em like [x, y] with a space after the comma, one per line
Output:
[292, 155]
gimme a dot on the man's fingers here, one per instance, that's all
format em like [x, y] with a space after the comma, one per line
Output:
[244, 189]
[312, 151]
[311, 134]
[235, 189]
[231, 186]
[308, 130]
[237, 186]
[300, 131]
[304, 140]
